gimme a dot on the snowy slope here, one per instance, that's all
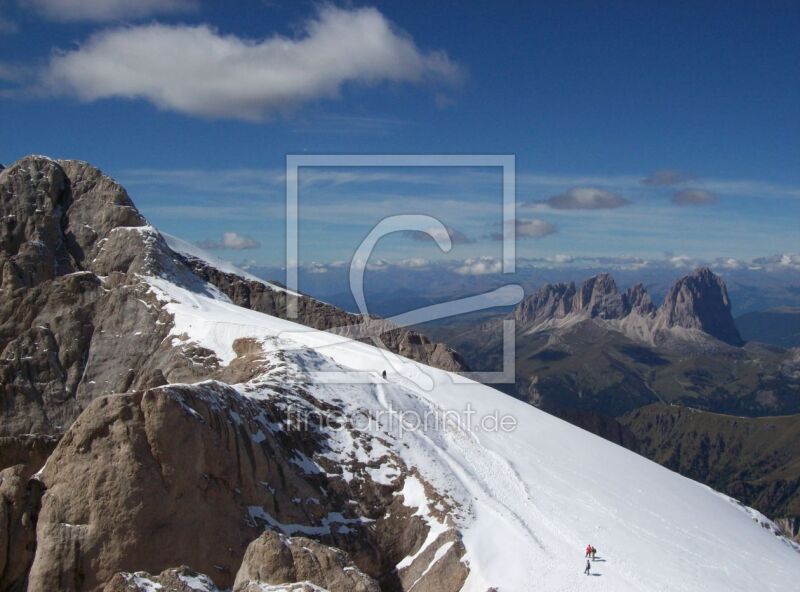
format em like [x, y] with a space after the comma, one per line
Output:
[530, 500]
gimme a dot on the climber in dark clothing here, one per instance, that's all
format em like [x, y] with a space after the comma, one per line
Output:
[588, 567]
[384, 374]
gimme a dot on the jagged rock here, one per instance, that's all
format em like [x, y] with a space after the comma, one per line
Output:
[158, 466]
[276, 559]
[638, 301]
[178, 579]
[696, 310]
[599, 297]
[552, 301]
[699, 301]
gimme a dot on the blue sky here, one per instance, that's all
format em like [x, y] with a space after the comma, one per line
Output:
[194, 106]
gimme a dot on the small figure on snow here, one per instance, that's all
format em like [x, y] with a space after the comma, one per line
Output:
[594, 552]
[588, 550]
[384, 374]
[588, 569]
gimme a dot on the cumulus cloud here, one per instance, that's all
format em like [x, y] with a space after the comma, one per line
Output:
[197, 70]
[534, 228]
[479, 266]
[315, 267]
[779, 261]
[230, 240]
[691, 197]
[667, 178]
[456, 236]
[681, 261]
[414, 263]
[585, 198]
[106, 10]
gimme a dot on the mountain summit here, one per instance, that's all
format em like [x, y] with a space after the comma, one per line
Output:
[700, 301]
[696, 309]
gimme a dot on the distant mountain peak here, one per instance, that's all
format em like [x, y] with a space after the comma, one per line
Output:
[697, 303]
[700, 301]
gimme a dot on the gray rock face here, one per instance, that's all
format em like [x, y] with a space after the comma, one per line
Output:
[552, 301]
[638, 301]
[76, 321]
[696, 302]
[20, 498]
[700, 301]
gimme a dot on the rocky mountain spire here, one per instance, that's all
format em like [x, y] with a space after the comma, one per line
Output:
[551, 301]
[700, 301]
[598, 297]
[637, 300]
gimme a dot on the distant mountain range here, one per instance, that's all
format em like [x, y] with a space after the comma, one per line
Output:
[696, 307]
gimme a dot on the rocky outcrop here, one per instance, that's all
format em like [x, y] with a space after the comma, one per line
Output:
[277, 559]
[178, 579]
[76, 321]
[699, 301]
[696, 309]
[637, 301]
[190, 475]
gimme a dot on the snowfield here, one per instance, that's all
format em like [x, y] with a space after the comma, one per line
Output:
[528, 501]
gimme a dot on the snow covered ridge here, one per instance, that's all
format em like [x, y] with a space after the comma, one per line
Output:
[525, 502]
[191, 250]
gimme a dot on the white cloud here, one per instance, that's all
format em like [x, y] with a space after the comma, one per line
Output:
[780, 261]
[197, 70]
[586, 198]
[414, 263]
[730, 263]
[106, 10]
[533, 228]
[691, 197]
[479, 266]
[315, 267]
[680, 261]
[231, 240]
